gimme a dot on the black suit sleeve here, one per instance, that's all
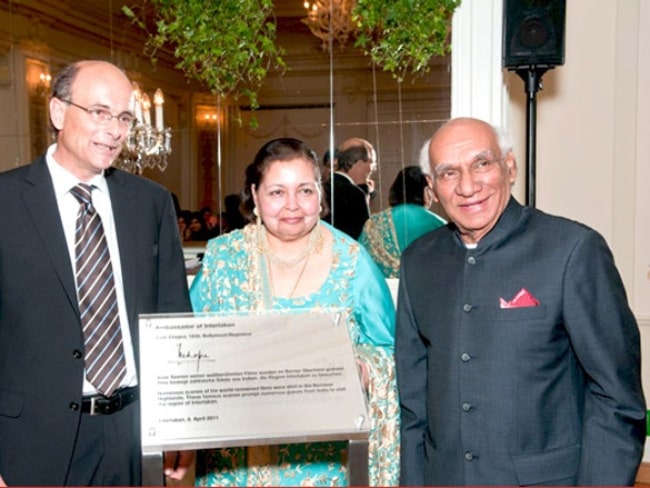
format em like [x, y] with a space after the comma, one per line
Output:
[605, 338]
[350, 209]
[411, 370]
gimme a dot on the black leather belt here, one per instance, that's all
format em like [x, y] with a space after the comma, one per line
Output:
[101, 405]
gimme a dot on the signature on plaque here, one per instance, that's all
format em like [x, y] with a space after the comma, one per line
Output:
[183, 353]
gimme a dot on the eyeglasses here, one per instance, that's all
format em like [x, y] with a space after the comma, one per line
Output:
[451, 174]
[103, 116]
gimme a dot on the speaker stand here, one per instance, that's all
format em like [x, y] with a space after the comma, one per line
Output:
[532, 77]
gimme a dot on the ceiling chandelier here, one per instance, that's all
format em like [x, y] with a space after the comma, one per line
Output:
[146, 145]
[330, 20]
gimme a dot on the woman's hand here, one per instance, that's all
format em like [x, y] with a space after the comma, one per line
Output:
[177, 463]
[364, 374]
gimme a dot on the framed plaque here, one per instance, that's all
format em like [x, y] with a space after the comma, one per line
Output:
[241, 380]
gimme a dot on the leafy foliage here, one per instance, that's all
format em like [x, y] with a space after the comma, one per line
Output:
[227, 45]
[402, 36]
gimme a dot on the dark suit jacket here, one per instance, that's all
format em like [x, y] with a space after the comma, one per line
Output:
[350, 210]
[548, 394]
[41, 343]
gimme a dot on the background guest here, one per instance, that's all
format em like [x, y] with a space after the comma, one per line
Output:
[234, 219]
[355, 160]
[198, 231]
[387, 233]
[183, 229]
[211, 223]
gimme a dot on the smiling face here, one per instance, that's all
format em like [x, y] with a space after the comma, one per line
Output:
[288, 199]
[85, 147]
[472, 179]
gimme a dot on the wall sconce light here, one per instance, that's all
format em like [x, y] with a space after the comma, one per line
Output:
[207, 115]
[210, 118]
[45, 79]
[43, 83]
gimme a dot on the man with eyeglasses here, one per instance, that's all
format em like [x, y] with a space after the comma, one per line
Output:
[518, 357]
[58, 424]
[103, 116]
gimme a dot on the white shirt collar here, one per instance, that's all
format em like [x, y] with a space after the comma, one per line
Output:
[63, 180]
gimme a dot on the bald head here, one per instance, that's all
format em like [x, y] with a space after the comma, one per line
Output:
[468, 129]
[62, 85]
[354, 142]
[357, 158]
[473, 169]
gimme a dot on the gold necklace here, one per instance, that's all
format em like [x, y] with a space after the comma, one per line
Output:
[295, 285]
[315, 243]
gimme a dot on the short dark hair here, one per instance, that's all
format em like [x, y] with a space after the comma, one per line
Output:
[62, 84]
[408, 187]
[282, 149]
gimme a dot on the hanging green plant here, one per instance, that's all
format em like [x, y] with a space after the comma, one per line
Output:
[402, 36]
[227, 45]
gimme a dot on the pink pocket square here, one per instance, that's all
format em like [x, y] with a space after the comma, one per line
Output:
[522, 299]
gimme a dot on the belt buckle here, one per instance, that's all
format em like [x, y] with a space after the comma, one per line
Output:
[93, 402]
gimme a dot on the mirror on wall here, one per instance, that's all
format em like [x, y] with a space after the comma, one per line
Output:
[324, 96]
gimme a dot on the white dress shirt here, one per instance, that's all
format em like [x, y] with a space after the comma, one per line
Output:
[63, 182]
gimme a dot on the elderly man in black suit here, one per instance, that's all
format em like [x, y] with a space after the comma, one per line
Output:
[60, 424]
[518, 357]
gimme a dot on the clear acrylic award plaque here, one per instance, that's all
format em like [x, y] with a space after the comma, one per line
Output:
[213, 380]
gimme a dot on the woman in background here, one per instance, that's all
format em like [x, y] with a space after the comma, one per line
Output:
[232, 215]
[198, 230]
[387, 233]
[286, 260]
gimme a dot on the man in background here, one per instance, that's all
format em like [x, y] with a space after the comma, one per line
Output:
[355, 161]
[518, 357]
[60, 424]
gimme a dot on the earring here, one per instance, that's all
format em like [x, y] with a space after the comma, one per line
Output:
[258, 219]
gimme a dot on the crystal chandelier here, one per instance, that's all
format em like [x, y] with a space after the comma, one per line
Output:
[330, 19]
[146, 146]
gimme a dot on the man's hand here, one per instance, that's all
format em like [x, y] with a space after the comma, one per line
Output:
[2, 482]
[177, 463]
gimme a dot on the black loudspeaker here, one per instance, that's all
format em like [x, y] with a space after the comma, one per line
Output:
[533, 33]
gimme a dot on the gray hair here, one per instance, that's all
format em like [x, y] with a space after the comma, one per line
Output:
[423, 161]
[503, 139]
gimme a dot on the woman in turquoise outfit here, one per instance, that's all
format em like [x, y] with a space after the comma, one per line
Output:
[288, 259]
[387, 233]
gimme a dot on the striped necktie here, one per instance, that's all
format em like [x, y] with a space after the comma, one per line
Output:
[105, 362]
